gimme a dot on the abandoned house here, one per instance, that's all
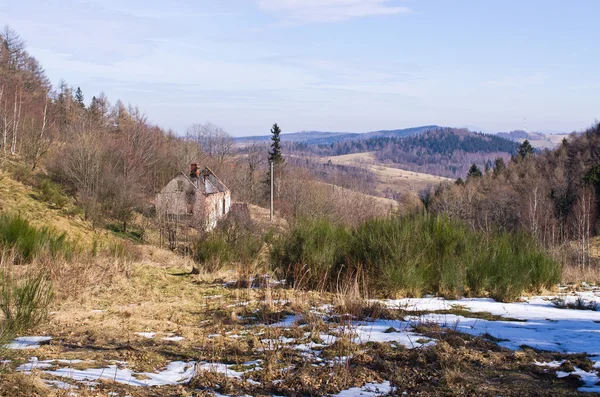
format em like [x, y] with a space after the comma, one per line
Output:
[199, 199]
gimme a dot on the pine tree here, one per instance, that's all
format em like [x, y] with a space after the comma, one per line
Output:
[499, 166]
[524, 150]
[474, 172]
[277, 159]
[79, 97]
[275, 152]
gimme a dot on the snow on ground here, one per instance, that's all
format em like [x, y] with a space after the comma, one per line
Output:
[543, 325]
[536, 322]
[28, 342]
[147, 335]
[177, 372]
[590, 379]
[173, 338]
[368, 390]
[389, 331]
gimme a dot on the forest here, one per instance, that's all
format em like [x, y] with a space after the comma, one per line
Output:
[440, 151]
[554, 195]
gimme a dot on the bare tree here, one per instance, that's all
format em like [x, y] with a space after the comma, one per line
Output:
[40, 138]
[212, 140]
[255, 157]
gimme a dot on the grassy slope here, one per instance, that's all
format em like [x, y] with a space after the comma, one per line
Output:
[22, 199]
[394, 178]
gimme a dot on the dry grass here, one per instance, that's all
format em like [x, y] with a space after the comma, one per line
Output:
[577, 274]
[226, 325]
[18, 198]
[396, 179]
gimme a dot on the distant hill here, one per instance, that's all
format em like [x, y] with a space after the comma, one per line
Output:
[439, 151]
[537, 139]
[328, 138]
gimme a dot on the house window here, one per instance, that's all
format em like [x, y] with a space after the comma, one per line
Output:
[180, 186]
[223, 206]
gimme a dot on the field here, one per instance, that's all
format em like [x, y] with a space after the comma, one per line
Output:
[395, 179]
[162, 331]
[146, 326]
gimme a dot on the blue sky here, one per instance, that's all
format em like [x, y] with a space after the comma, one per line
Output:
[330, 65]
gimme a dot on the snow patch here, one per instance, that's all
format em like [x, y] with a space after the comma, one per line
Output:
[368, 390]
[177, 372]
[28, 342]
[147, 335]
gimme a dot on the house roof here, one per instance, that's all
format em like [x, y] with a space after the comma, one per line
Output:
[208, 182]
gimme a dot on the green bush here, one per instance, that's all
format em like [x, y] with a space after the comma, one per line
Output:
[236, 239]
[28, 241]
[21, 173]
[414, 255]
[53, 193]
[23, 303]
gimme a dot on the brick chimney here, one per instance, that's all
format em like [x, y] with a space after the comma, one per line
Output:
[194, 170]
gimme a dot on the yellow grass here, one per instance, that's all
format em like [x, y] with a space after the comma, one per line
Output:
[396, 179]
[19, 198]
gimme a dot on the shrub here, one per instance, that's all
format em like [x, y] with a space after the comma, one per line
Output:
[236, 239]
[413, 255]
[28, 241]
[24, 301]
[53, 193]
[21, 173]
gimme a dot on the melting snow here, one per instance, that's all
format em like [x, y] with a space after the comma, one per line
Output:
[147, 335]
[590, 379]
[28, 342]
[368, 390]
[177, 372]
[544, 326]
[173, 338]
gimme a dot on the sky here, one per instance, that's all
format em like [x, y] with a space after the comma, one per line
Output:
[327, 65]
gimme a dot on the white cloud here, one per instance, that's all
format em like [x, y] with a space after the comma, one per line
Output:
[304, 11]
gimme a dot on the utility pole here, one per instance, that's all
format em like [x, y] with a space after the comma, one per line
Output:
[271, 214]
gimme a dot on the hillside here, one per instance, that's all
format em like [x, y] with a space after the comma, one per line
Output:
[389, 179]
[446, 152]
[327, 138]
[537, 139]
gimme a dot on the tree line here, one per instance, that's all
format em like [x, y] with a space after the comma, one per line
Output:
[554, 194]
[113, 160]
[440, 151]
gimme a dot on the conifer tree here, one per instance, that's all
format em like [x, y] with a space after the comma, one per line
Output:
[474, 172]
[79, 97]
[499, 166]
[524, 150]
[277, 159]
[275, 152]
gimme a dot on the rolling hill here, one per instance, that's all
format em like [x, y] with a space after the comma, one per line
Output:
[537, 139]
[328, 138]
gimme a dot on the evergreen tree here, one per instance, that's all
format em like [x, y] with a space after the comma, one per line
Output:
[499, 166]
[275, 152]
[79, 97]
[524, 150]
[277, 159]
[474, 172]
